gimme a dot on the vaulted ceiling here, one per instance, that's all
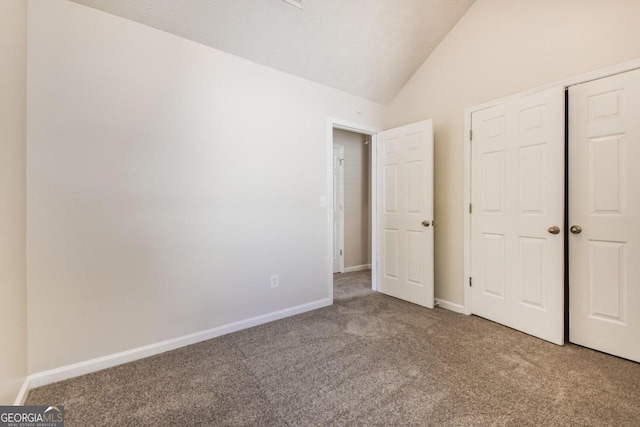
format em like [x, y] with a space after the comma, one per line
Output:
[369, 48]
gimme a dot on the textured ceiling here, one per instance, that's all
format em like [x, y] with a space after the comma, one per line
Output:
[369, 48]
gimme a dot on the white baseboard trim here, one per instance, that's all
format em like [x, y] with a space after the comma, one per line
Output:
[452, 306]
[22, 394]
[81, 368]
[357, 268]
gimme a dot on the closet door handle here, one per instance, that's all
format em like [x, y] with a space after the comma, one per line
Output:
[426, 223]
[554, 230]
[576, 229]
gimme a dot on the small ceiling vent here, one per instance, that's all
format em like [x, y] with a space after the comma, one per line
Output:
[296, 3]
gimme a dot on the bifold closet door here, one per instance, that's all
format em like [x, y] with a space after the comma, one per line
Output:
[517, 194]
[604, 214]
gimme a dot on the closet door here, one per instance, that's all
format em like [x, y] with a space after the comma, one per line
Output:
[604, 214]
[517, 244]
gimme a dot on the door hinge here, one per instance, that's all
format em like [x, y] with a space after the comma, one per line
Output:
[470, 282]
[470, 208]
[340, 251]
[470, 134]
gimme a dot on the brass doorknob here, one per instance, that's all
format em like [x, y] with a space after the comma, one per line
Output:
[426, 223]
[576, 229]
[554, 230]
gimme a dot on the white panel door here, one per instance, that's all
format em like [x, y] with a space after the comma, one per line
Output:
[604, 190]
[338, 209]
[517, 182]
[405, 234]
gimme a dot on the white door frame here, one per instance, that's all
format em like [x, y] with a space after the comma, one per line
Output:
[341, 230]
[332, 124]
[566, 83]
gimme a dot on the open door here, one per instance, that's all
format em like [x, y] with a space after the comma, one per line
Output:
[405, 212]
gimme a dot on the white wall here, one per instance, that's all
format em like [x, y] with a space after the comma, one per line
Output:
[13, 92]
[501, 47]
[357, 241]
[167, 182]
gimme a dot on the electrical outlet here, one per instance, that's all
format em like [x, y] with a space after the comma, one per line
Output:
[275, 281]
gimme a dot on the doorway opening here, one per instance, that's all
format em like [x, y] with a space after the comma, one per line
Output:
[352, 212]
[352, 198]
[400, 212]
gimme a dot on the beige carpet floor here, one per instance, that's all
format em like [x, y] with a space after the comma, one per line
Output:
[368, 360]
